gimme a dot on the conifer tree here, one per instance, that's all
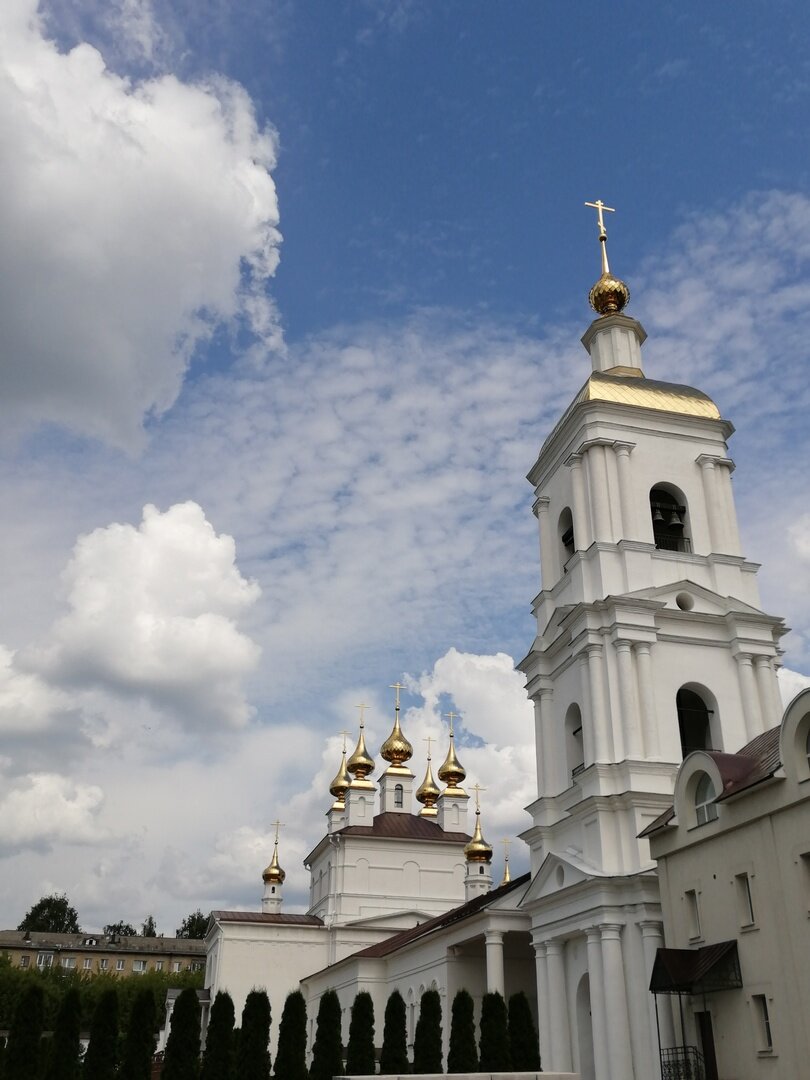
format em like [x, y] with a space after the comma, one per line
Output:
[291, 1055]
[182, 1059]
[360, 1060]
[63, 1055]
[218, 1056]
[23, 1056]
[394, 1056]
[523, 1042]
[462, 1056]
[494, 1045]
[427, 1042]
[327, 1050]
[253, 1057]
[139, 1045]
[101, 1058]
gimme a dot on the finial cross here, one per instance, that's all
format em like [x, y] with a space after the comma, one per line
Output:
[506, 843]
[278, 825]
[397, 686]
[599, 207]
[428, 739]
[451, 716]
[345, 735]
[478, 789]
[362, 707]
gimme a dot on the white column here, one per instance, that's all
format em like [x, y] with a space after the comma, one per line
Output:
[583, 675]
[627, 693]
[714, 508]
[766, 680]
[543, 743]
[618, 1022]
[622, 451]
[723, 469]
[652, 937]
[547, 573]
[543, 1013]
[558, 1010]
[750, 697]
[599, 718]
[494, 949]
[646, 693]
[596, 465]
[583, 533]
[598, 1018]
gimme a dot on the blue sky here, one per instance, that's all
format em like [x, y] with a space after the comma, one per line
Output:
[307, 282]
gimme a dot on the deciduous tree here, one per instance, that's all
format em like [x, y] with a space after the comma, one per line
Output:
[427, 1041]
[193, 926]
[120, 929]
[462, 1056]
[291, 1055]
[327, 1050]
[52, 915]
[394, 1055]
[360, 1060]
[149, 929]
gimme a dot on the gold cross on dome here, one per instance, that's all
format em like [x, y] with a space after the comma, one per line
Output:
[362, 707]
[428, 739]
[451, 716]
[345, 735]
[599, 207]
[506, 842]
[278, 825]
[397, 686]
[478, 789]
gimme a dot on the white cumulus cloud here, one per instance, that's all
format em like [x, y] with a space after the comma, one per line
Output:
[135, 217]
[44, 808]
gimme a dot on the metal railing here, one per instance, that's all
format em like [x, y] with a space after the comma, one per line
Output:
[682, 1063]
[668, 542]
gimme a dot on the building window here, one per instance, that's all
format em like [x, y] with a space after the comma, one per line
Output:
[763, 1022]
[694, 721]
[176, 965]
[196, 965]
[745, 903]
[119, 965]
[692, 914]
[574, 749]
[398, 795]
[565, 531]
[103, 963]
[705, 807]
[87, 963]
[139, 966]
[25, 961]
[668, 521]
[44, 959]
[158, 965]
[68, 962]
[90, 941]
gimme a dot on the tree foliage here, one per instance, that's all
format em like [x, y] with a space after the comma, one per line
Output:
[139, 1045]
[360, 1060]
[102, 1050]
[291, 1055]
[63, 1054]
[23, 1053]
[252, 1055]
[193, 926]
[327, 1050]
[120, 929]
[394, 1055]
[182, 1058]
[149, 928]
[217, 1060]
[427, 1041]
[52, 915]
[494, 1045]
[462, 1056]
[524, 1045]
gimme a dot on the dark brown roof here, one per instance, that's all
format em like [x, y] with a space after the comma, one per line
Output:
[695, 971]
[266, 917]
[406, 826]
[758, 760]
[100, 942]
[464, 911]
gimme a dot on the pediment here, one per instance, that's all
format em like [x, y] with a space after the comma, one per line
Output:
[704, 601]
[557, 873]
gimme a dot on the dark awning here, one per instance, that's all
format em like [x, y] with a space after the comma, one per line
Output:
[696, 971]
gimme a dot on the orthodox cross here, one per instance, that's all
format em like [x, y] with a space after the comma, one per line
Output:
[599, 207]
[362, 707]
[278, 825]
[478, 789]
[428, 739]
[506, 842]
[345, 735]
[397, 686]
[451, 716]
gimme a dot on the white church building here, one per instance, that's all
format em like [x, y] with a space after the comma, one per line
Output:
[652, 650]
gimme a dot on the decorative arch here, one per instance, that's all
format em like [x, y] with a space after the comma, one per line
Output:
[795, 737]
[399, 795]
[693, 792]
[574, 747]
[565, 535]
[669, 511]
[698, 722]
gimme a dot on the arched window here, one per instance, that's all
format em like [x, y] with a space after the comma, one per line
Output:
[694, 721]
[565, 532]
[705, 808]
[398, 795]
[574, 750]
[480, 869]
[669, 520]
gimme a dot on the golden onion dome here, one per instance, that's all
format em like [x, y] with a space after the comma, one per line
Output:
[274, 875]
[478, 850]
[427, 793]
[609, 295]
[452, 772]
[360, 764]
[507, 876]
[396, 749]
[340, 785]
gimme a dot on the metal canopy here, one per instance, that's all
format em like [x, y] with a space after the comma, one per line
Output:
[697, 971]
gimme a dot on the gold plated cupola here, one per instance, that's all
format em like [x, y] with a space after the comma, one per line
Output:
[396, 749]
[273, 874]
[361, 764]
[452, 772]
[610, 294]
[478, 850]
[428, 791]
[340, 784]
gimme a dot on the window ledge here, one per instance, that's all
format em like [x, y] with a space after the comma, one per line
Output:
[746, 928]
[767, 1054]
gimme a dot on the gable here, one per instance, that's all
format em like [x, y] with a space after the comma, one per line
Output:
[555, 875]
[676, 595]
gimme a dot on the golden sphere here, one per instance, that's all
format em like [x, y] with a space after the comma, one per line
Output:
[609, 295]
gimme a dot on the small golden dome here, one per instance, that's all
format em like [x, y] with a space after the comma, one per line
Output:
[478, 850]
[507, 876]
[396, 749]
[274, 875]
[360, 764]
[340, 785]
[427, 793]
[609, 295]
[452, 772]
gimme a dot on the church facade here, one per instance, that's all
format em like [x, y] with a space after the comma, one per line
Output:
[651, 648]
